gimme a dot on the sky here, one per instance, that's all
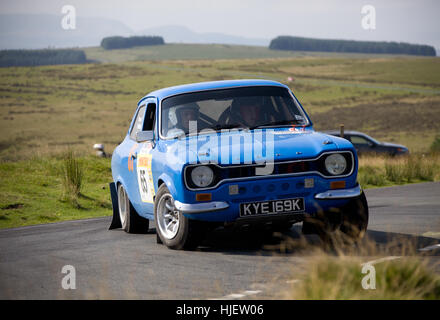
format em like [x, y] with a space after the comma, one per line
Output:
[396, 20]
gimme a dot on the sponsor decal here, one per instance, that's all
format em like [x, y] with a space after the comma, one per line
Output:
[145, 176]
[292, 130]
[131, 153]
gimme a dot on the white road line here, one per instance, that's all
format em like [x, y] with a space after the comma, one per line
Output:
[372, 262]
[240, 295]
[429, 248]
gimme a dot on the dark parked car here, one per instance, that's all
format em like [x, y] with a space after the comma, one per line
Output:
[366, 144]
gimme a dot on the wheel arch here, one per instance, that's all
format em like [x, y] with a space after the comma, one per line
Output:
[166, 179]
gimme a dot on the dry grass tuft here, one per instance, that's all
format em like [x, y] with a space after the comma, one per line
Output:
[400, 272]
[380, 171]
[72, 178]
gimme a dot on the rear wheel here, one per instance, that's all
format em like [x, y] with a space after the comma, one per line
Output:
[130, 220]
[174, 229]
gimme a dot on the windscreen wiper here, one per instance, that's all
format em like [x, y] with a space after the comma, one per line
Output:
[227, 126]
[278, 123]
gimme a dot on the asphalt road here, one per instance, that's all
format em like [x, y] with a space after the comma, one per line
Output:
[116, 265]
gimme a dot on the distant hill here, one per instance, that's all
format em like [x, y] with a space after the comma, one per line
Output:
[330, 45]
[26, 31]
[181, 34]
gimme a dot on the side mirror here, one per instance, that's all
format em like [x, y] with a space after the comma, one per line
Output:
[143, 136]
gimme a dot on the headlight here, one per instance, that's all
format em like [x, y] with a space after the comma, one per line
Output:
[202, 176]
[335, 164]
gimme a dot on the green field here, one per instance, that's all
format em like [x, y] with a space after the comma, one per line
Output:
[46, 110]
[195, 52]
[31, 191]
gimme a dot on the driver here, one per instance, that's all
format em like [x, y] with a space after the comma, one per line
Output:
[180, 116]
[246, 111]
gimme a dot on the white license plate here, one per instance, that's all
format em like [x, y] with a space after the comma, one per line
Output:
[271, 207]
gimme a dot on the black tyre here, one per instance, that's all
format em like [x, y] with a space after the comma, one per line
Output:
[282, 227]
[355, 218]
[131, 222]
[173, 229]
[351, 221]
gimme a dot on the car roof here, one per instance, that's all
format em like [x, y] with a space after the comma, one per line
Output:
[349, 132]
[212, 85]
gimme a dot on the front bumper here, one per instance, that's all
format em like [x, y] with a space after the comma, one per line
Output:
[340, 193]
[220, 205]
[200, 207]
[226, 208]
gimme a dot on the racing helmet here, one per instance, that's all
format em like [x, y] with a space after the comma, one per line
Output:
[174, 114]
[248, 101]
[245, 101]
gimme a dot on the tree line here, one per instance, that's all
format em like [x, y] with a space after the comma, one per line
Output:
[117, 42]
[310, 44]
[13, 58]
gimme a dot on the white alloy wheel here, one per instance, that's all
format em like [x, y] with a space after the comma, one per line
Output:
[167, 217]
[123, 204]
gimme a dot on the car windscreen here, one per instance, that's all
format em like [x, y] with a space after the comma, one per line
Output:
[244, 107]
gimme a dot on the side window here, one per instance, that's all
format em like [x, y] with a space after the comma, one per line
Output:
[138, 123]
[149, 117]
[359, 140]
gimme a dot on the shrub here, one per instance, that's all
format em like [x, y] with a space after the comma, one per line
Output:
[394, 171]
[11, 58]
[72, 177]
[129, 42]
[369, 175]
[331, 45]
[435, 146]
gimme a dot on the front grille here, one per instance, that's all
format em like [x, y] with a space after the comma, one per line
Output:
[283, 168]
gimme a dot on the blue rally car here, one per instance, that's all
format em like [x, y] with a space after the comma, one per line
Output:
[232, 153]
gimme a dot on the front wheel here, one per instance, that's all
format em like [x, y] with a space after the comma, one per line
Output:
[351, 222]
[174, 229]
[355, 218]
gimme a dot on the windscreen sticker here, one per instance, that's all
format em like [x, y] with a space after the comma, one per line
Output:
[145, 177]
[292, 130]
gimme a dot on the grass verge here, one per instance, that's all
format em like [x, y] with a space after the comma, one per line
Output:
[381, 171]
[367, 270]
[32, 190]
[333, 278]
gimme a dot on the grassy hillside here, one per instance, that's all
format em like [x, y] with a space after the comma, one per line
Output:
[31, 191]
[46, 110]
[183, 52]
[179, 51]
